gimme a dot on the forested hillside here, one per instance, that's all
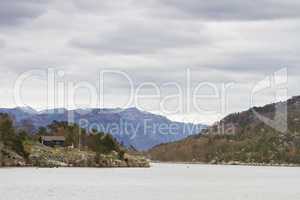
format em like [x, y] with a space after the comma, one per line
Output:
[242, 138]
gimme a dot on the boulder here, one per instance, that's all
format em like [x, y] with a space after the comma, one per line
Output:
[8, 158]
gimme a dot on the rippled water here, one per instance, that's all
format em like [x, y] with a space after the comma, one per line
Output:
[162, 181]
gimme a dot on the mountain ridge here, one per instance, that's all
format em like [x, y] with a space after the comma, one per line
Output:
[130, 126]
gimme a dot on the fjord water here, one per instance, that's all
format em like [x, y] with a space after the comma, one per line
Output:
[161, 181]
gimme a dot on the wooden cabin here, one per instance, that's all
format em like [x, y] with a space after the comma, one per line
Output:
[53, 141]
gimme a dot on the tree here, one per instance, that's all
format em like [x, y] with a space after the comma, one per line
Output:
[42, 131]
[102, 143]
[7, 132]
[18, 145]
[9, 137]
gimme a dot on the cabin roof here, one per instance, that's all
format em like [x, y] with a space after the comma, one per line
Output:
[53, 138]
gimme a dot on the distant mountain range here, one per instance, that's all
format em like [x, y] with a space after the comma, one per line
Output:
[245, 137]
[132, 127]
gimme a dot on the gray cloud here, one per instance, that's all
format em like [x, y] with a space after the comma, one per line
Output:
[256, 63]
[233, 10]
[227, 9]
[143, 37]
[13, 12]
[2, 44]
[103, 6]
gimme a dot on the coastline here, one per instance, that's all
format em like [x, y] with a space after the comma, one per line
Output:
[229, 164]
[45, 157]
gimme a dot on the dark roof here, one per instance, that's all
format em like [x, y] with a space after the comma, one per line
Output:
[53, 138]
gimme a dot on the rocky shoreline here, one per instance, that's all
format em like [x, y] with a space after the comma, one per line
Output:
[43, 156]
[235, 163]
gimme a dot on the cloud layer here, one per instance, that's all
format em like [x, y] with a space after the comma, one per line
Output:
[15, 12]
[152, 41]
[229, 9]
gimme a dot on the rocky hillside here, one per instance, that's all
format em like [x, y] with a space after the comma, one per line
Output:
[9, 158]
[243, 138]
[42, 156]
[131, 127]
[17, 148]
[39, 155]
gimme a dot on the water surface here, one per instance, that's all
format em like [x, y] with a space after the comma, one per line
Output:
[161, 182]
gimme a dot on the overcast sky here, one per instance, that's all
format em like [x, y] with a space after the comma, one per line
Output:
[155, 41]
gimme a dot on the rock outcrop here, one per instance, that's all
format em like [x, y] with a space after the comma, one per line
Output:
[43, 156]
[8, 158]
